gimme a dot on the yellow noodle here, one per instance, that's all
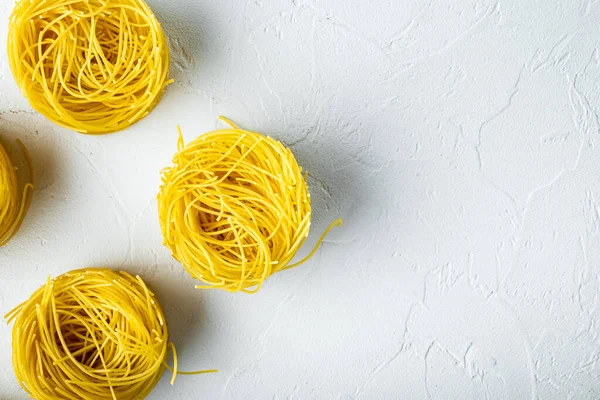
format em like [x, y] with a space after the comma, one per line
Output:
[91, 334]
[93, 66]
[235, 208]
[12, 206]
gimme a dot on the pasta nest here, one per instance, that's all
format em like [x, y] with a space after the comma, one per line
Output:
[13, 204]
[93, 66]
[90, 334]
[234, 208]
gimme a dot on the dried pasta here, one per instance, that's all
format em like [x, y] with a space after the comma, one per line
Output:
[13, 204]
[93, 66]
[234, 208]
[91, 334]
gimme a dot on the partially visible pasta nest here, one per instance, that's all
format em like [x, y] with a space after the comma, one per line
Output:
[93, 66]
[90, 334]
[13, 203]
[235, 208]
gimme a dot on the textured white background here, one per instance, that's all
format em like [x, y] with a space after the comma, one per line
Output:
[459, 140]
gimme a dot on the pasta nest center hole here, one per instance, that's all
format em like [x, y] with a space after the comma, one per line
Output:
[79, 332]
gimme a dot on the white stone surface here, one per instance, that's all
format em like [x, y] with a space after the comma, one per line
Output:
[459, 140]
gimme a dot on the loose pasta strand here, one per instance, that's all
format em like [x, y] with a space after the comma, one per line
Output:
[13, 208]
[336, 223]
[176, 371]
[91, 334]
[235, 208]
[93, 66]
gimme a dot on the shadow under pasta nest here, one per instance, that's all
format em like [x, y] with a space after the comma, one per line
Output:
[44, 159]
[185, 30]
[183, 307]
[340, 186]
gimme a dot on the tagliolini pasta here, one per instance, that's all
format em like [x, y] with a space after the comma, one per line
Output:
[235, 208]
[93, 66]
[91, 334]
[13, 204]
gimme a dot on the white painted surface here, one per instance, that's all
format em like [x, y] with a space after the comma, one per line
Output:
[459, 140]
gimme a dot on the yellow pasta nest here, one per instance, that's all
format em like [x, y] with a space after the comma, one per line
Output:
[93, 66]
[13, 205]
[90, 334]
[234, 208]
